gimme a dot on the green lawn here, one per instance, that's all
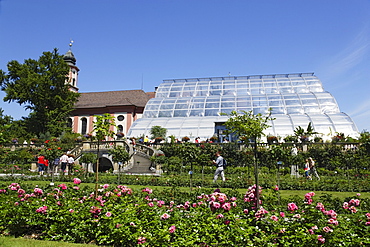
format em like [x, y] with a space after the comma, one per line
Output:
[24, 242]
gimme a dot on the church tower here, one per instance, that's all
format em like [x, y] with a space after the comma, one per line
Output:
[70, 59]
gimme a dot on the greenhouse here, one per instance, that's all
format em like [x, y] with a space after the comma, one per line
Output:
[192, 107]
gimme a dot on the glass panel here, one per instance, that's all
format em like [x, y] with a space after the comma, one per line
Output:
[165, 113]
[174, 94]
[255, 85]
[311, 109]
[188, 94]
[244, 103]
[229, 104]
[298, 81]
[166, 106]
[294, 110]
[215, 89]
[211, 112]
[197, 112]
[242, 85]
[180, 113]
[227, 110]
[151, 107]
[262, 110]
[150, 114]
[278, 110]
[292, 102]
[212, 103]
[173, 89]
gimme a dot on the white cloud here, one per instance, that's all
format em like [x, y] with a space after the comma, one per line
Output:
[349, 58]
[362, 109]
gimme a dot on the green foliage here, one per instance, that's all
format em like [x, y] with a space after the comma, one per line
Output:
[102, 126]
[18, 156]
[303, 134]
[158, 131]
[119, 154]
[120, 216]
[88, 158]
[40, 85]
[247, 125]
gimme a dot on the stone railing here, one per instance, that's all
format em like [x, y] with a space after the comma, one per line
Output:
[89, 146]
[149, 151]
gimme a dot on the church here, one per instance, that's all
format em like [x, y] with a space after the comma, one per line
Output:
[126, 106]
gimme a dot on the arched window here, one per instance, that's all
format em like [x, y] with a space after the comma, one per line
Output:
[83, 126]
[69, 122]
[119, 128]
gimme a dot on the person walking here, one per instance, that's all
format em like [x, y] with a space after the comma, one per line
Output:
[146, 141]
[63, 161]
[313, 168]
[41, 164]
[307, 170]
[219, 162]
[55, 165]
[46, 165]
[71, 162]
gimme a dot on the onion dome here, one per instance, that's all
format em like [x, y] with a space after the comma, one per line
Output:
[69, 58]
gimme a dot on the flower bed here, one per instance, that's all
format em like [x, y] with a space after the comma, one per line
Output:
[120, 216]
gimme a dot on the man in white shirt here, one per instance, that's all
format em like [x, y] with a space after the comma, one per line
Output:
[63, 161]
[71, 162]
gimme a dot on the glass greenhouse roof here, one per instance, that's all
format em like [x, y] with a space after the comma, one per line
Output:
[190, 107]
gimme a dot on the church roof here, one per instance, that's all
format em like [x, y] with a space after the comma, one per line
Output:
[69, 58]
[112, 98]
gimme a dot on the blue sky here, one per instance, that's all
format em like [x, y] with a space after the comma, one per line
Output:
[121, 44]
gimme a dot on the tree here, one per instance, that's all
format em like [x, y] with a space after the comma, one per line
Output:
[249, 126]
[40, 85]
[88, 158]
[121, 156]
[158, 131]
[102, 129]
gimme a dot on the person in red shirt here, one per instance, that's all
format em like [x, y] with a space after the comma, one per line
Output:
[41, 164]
[46, 164]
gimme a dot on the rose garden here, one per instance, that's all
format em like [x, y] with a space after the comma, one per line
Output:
[261, 203]
[179, 209]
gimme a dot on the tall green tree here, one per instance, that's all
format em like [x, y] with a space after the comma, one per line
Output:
[40, 86]
[249, 126]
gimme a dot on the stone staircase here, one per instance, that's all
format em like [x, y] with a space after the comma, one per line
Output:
[141, 164]
[139, 156]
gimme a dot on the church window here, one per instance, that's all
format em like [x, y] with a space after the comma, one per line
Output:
[83, 126]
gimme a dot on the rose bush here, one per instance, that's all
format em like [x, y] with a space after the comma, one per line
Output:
[120, 216]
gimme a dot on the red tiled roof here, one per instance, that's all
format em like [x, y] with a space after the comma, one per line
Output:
[113, 98]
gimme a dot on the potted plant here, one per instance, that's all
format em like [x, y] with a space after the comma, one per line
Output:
[185, 139]
[158, 139]
[290, 138]
[213, 139]
[304, 139]
[318, 139]
[272, 139]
